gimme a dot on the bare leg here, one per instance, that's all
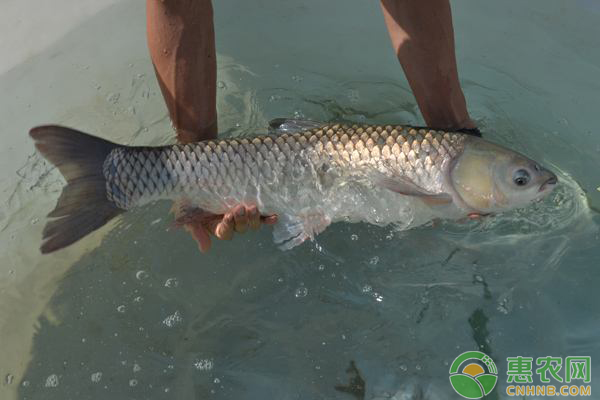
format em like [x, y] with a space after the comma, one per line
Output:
[423, 38]
[181, 40]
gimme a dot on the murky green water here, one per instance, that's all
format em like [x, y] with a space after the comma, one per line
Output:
[136, 312]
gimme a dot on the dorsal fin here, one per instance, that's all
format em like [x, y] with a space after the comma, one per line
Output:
[278, 126]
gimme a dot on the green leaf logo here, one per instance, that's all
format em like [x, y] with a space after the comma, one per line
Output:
[473, 375]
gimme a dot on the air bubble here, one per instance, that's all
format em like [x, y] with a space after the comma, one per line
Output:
[171, 283]
[96, 377]
[504, 305]
[113, 98]
[141, 275]
[173, 320]
[301, 292]
[51, 381]
[205, 364]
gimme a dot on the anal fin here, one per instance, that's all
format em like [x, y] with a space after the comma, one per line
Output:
[292, 230]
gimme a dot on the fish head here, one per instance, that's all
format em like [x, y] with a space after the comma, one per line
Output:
[490, 178]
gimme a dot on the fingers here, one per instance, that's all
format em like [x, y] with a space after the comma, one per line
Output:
[474, 216]
[224, 229]
[269, 219]
[240, 217]
[200, 235]
[253, 218]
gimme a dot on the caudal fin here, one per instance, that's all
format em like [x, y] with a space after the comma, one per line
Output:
[83, 205]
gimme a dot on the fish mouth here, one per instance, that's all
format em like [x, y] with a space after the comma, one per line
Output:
[550, 183]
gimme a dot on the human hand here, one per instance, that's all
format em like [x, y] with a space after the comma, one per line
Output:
[202, 224]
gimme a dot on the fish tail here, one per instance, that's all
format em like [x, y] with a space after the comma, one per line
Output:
[83, 205]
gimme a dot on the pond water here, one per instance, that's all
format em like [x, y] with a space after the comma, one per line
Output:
[134, 311]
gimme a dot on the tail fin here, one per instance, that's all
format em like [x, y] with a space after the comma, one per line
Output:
[83, 205]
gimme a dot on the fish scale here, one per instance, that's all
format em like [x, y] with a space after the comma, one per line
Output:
[136, 176]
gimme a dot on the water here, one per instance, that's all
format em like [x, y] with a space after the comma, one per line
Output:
[135, 311]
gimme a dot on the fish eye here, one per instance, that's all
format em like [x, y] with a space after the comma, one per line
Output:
[521, 177]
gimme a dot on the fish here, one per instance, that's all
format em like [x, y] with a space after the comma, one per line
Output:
[310, 174]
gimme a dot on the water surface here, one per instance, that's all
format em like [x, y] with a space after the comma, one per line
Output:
[135, 312]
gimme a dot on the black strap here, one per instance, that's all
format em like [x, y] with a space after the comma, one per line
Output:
[470, 131]
[467, 131]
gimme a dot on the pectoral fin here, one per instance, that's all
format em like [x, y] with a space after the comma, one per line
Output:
[292, 230]
[406, 187]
